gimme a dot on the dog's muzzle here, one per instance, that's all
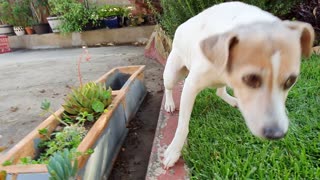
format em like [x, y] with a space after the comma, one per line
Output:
[273, 133]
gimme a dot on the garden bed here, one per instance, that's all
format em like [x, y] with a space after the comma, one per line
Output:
[105, 137]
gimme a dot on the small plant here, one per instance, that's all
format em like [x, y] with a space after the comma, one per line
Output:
[63, 165]
[7, 163]
[111, 11]
[70, 137]
[92, 98]
[45, 106]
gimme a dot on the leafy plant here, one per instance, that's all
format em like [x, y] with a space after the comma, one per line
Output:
[70, 137]
[309, 11]
[75, 15]
[40, 10]
[111, 10]
[22, 13]
[92, 98]
[6, 16]
[7, 163]
[177, 12]
[45, 106]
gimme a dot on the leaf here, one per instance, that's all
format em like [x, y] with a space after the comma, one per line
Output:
[7, 163]
[43, 131]
[98, 106]
[90, 117]
[45, 105]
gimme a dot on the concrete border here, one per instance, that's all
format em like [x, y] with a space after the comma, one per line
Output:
[167, 124]
[126, 35]
[166, 128]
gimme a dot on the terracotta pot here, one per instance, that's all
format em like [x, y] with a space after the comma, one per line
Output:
[29, 30]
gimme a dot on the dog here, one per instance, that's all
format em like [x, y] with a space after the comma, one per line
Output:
[240, 46]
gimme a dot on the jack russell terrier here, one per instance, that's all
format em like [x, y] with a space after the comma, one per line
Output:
[243, 47]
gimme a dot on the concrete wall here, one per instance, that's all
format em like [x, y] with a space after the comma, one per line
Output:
[126, 35]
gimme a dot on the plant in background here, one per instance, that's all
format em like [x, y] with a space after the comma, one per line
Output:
[6, 16]
[40, 10]
[309, 11]
[75, 15]
[22, 13]
[177, 12]
[110, 11]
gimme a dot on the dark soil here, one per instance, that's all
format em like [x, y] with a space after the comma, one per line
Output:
[132, 161]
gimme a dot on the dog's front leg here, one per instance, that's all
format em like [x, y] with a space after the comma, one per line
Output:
[189, 93]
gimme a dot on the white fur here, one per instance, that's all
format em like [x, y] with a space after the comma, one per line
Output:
[186, 52]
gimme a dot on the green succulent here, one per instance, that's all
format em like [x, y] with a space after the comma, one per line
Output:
[60, 166]
[92, 98]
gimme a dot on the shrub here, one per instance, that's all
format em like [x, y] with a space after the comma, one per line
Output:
[177, 12]
[309, 11]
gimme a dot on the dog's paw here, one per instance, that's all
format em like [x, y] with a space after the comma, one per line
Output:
[169, 106]
[171, 156]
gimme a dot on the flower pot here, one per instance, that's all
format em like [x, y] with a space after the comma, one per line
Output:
[54, 23]
[6, 29]
[19, 30]
[41, 28]
[111, 22]
[105, 137]
[29, 30]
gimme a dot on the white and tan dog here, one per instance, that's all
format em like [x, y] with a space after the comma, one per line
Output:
[241, 46]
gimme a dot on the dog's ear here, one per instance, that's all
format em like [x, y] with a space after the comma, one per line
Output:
[307, 35]
[217, 49]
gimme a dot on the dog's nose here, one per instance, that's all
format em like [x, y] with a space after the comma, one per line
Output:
[273, 133]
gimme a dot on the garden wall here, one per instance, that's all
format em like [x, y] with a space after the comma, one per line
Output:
[98, 37]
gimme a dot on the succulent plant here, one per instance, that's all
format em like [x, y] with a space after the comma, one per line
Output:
[91, 98]
[60, 166]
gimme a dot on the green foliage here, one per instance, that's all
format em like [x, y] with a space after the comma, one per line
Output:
[63, 165]
[177, 12]
[15, 13]
[75, 15]
[112, 10]
[220, 146]
[70, 137]
[92, 98]
[7, 163]
[6, 16]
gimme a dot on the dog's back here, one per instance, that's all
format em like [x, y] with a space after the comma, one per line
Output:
[215, 20]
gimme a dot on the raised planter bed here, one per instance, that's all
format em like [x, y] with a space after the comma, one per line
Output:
[105, 137]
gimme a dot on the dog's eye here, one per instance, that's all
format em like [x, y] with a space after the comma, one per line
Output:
[289, 82]
[252, 80]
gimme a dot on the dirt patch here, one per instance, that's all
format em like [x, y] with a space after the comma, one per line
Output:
[132, 162]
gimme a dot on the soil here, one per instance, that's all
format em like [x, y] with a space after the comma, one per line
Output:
[132, 161]
[28, 77]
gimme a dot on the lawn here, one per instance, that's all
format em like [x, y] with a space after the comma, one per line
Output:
[220, 145]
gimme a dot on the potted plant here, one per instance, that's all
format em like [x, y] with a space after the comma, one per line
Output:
[6, 18]
[40, 11]
[22, 16]
[74, 15]
[111, 15]
[96, 146]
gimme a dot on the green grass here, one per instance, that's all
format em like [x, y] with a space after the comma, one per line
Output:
[220, 145]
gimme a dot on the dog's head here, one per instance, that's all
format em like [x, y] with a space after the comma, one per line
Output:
[261, 62]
